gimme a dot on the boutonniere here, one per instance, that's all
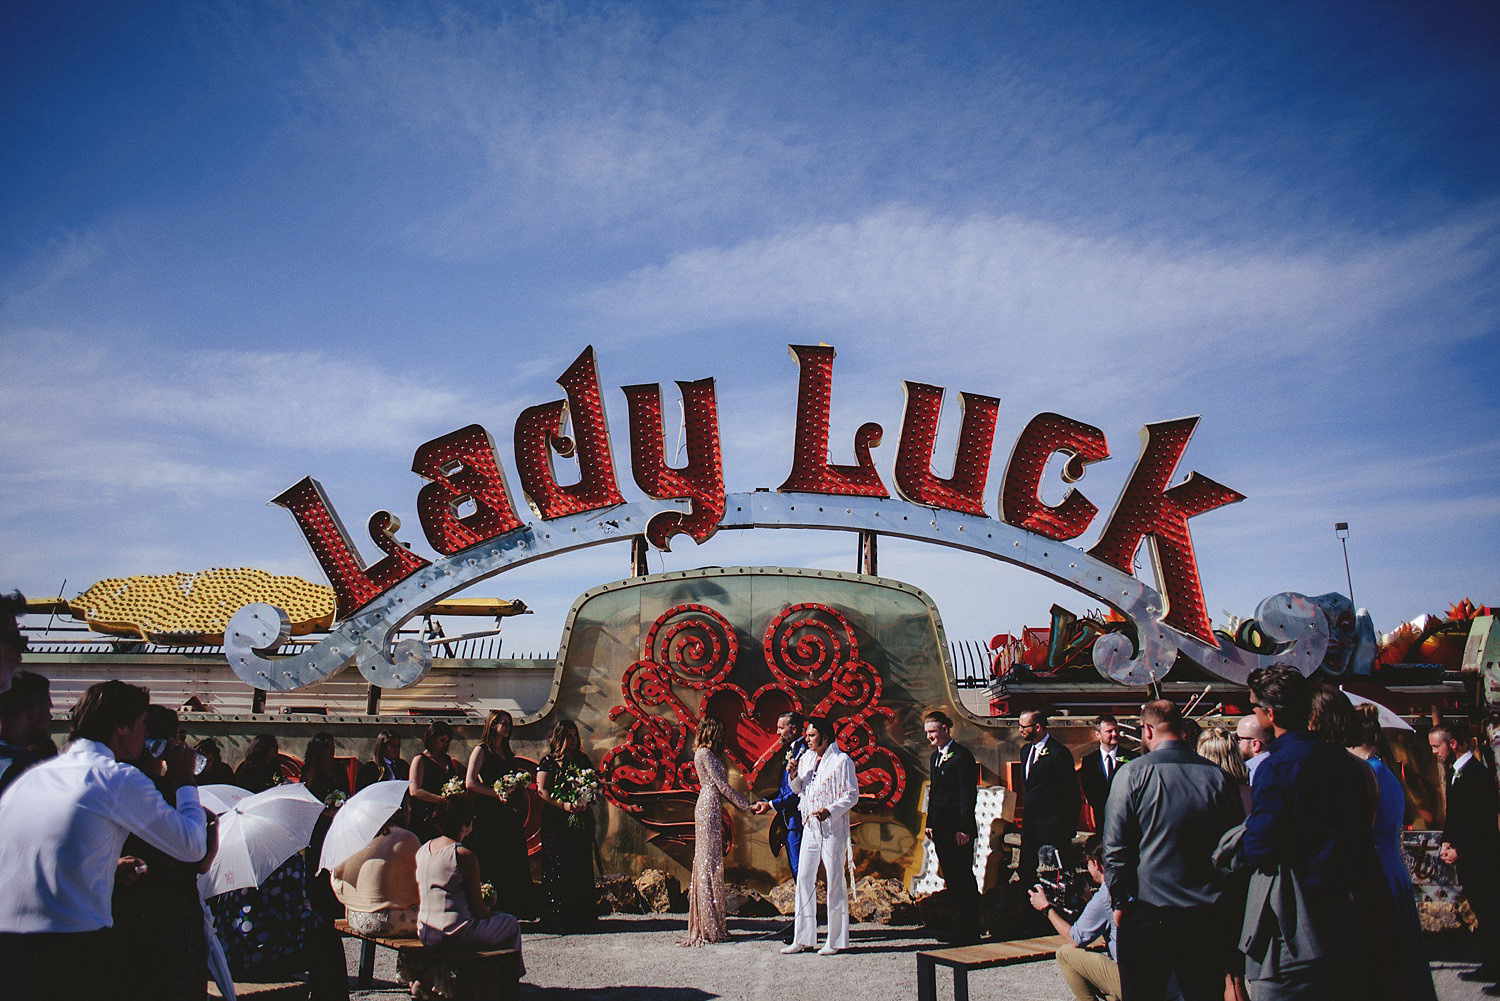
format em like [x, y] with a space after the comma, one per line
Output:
[1043, 751]
[947, 753]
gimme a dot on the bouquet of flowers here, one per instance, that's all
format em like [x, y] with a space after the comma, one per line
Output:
[576, 784]
[454, 787]
[335, 799]
[510, 783]
[487, 893]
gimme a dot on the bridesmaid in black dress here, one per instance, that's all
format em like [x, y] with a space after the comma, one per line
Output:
[499, 835]
[569, 901]
[261, 768]
[430, 771]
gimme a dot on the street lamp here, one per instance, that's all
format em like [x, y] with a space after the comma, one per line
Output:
[1341, 532]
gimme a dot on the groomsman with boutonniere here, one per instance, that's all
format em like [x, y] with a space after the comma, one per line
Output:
[951, 795]
[1050, 798]
[1098, 768]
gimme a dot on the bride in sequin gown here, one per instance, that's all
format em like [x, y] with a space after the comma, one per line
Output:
[706, 918]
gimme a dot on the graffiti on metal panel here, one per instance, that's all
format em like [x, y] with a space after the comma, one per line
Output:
[692, 654]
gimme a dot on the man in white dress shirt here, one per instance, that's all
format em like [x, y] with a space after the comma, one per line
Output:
[828, 783]
[64, 822]
[1255, 741]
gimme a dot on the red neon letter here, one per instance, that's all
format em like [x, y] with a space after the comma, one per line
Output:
[811, 470]
[964, 490]
[539, 431]
[701, 480]
[1020, 495]
[462, 467]
[354, 585]
[1149, 510]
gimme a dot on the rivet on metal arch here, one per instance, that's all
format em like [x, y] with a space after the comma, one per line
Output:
[1145, 607]
[255, 632]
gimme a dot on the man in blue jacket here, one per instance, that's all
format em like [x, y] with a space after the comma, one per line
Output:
[1308, 933]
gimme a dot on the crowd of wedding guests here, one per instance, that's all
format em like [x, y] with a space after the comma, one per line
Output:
[1257, 863]
[1262, 862]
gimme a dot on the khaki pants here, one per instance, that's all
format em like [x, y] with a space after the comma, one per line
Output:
[1089, 975]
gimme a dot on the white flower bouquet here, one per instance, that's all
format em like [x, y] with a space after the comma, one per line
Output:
[576, 784]
[511, 783]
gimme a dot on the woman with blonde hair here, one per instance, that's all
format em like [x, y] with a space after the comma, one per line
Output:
[706, 911]
[1221, 746]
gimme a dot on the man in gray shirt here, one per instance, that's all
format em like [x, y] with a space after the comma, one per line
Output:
[1167, 811]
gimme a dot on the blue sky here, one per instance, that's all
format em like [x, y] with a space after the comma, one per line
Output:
[244, 243]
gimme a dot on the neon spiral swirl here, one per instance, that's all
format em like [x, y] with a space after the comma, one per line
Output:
[807, 643]
[696, 643]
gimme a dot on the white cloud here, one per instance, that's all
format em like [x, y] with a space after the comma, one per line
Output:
[1046, 289]
[77, 414]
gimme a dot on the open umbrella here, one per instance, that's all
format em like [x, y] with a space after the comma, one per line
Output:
[221, 798]
[360, 819]
[1388, 718]
[259, 833]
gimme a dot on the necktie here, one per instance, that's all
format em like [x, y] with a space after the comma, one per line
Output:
[1031, 757]
[1109, 766]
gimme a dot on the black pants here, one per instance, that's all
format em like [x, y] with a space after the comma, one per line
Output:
[957, 863]
[1481, 885]
[1155, 942]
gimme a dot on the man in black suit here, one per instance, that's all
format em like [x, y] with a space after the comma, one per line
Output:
[951, 795]
[1050, 804]
[1097, 770]
[1471, 841]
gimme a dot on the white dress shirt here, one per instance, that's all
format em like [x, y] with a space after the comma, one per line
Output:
[62, 825]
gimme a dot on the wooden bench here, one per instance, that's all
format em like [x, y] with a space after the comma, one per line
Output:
[270, 990]
[465, 964]
[964, 958]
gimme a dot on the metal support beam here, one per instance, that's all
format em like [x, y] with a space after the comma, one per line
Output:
[638, 556]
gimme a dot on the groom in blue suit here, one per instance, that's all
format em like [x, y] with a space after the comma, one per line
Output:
[786, 803]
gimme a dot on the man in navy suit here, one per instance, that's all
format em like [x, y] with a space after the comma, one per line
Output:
[787, 803]
[1309, 827]
[1050, 804]
[951, 795]
[1098, 768]
[1471, 842]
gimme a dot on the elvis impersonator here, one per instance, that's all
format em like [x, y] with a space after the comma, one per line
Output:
[824, 777]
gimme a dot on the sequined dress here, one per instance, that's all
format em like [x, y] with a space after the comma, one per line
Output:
[706, 918]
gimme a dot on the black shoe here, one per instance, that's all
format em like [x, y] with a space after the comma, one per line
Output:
[1484, 974]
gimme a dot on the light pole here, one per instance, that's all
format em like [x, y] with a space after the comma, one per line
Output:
[1341, 531]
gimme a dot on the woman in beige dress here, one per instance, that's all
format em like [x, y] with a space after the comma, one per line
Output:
[706, 918]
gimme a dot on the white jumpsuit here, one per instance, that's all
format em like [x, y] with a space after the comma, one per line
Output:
[829, 782]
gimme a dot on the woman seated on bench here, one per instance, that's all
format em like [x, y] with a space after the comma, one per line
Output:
[378, 884]
[453, 913]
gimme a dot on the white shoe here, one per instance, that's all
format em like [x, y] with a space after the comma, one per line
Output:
[793, 949]
[828, 950]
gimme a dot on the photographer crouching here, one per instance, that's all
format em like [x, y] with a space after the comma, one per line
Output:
[1089, 975]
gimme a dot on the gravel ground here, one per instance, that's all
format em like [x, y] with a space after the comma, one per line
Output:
[636, 958]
